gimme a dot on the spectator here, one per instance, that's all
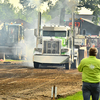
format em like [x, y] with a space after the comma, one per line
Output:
[90, 68]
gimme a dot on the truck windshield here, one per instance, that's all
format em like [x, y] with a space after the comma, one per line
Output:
[13, 34]
[55, 33]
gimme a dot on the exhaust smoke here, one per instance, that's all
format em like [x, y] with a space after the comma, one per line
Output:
[27, 46]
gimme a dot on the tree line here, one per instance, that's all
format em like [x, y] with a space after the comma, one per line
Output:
[53, 9]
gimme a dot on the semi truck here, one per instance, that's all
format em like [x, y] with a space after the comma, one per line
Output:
[54, 46]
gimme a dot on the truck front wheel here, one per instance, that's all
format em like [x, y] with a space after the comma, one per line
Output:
[36, 65]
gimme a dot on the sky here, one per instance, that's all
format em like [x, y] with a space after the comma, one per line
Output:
[17, 4]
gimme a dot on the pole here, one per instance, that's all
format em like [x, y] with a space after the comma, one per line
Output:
[54, 92]
[73, 35]
[39, 23]
[38, 27]
[4, 56]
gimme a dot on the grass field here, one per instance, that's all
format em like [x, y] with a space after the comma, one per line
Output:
[77, 96]
[11, 60]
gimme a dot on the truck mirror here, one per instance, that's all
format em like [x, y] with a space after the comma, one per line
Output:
[35, 32]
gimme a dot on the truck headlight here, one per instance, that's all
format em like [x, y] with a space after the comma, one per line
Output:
[38, 49]
[64, 50]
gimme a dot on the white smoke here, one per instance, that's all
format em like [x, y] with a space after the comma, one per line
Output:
[72, 4]
[30, 41]
[53, 2]
[43, 7]
[27, 47]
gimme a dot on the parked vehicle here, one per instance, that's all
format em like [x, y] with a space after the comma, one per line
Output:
[10, 35]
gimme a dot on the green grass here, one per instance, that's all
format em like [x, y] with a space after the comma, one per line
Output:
[10, 60]
[76, 96]
[13, 60]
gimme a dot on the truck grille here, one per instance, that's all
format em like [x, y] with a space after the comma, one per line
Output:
[51, 47]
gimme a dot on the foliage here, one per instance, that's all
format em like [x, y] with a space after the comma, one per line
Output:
[24, 2]
[46, 16]
[7, 11]
[93, 5]
[53, 8]
[60, 5]
[27, 15]
[30, 8]
[56, 10]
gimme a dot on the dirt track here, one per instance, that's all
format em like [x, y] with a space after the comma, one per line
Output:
[19, 82]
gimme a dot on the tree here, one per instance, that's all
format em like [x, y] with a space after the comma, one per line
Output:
[24, 3]
[7, 11]
[63, 10]
[46, 17]
[93, 5]
[30, 9]
[49, 8]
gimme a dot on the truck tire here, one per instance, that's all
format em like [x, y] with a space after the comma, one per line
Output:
[36, 65]
[67, 66]
[73, 65]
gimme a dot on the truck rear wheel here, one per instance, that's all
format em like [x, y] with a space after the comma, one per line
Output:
[67, 66]
[36, 65]
[73, 65]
